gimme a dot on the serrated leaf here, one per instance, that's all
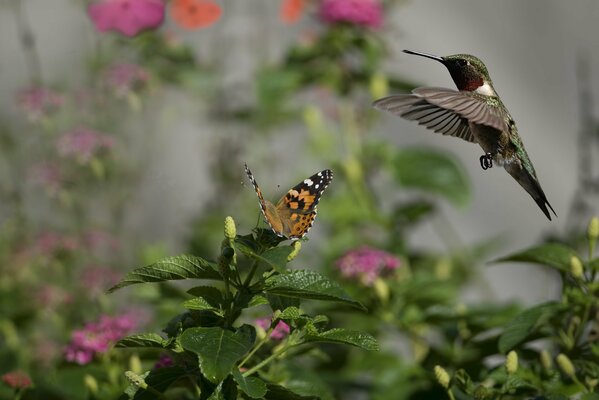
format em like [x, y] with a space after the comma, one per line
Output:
[433, 171]
[551, 254]
[200, 304]
[281, 303]
[218, 349]
[306, 284]
[338, 335]
[276, 392]
[252, 386]
[290, 314]
[212, 295]
[159, 379]
[525, 324]
[275, 257]
[257, 300]
[169, 269]
[152, 340]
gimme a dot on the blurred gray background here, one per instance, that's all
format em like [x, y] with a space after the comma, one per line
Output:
[531, 49]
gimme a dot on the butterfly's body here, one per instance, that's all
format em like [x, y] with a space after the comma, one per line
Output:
[476, 114]
[294, 213]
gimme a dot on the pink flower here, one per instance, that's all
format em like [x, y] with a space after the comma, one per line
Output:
[124, 78]
[17, 379]
[280, 331]
[47, 175]
[51, 243]
[366, 264]
[83, 144]
[38, 102]
[97, 337]
[164, 361]
[367, 13]
[128, 17]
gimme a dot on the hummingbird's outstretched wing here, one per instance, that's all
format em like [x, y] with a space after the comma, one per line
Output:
[443, 110]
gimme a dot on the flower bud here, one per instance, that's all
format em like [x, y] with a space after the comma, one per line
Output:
[511, 362]
[297, 245]
[593, 230]
[381, 289]
[230, 230]
[576, 268]
[566, 365]
[135, 364]
[91, 383]
[136, 380]
[442, 376]
[546, 360]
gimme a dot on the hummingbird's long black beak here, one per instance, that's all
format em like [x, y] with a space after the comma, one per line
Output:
[432, 57]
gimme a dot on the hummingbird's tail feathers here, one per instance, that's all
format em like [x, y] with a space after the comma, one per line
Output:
[532, 186]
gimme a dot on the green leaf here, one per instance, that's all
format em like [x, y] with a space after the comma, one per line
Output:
[306, 284]
[218, 349]
[525, 324]
[212, 295]
[252, 386]
[290, 314]
[257, 300]
[200, 304]
[276, 392]
[275, 257]
[551, 254]
[159, 379]
[281, 303]
[433, 171]
[590, 396]
[169, 269]
[226, 390]
[152, 340]
[354, 338]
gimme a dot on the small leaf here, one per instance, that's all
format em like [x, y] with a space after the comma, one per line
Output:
[277, 257]
[290, 314]
[212, 295]
[159, 379]
[257, 300]
[152, 340]
[354, 338]
[169, 269]
[276, 392]
[218, 349]
[551, 254]
[525, 324]
[252, 386]
[306, 284]
[200, 304]
[434, 172]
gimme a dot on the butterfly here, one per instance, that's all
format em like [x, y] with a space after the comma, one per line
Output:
[293, 215]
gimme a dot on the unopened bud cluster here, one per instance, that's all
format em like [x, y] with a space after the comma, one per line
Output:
[511, 362]
[576, 268]
[565, 365]
[442, 376]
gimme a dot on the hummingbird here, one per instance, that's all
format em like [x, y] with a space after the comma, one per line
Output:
[474, 113]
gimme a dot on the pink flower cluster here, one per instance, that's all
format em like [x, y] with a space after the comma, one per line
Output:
[128, 17]
[280, 331]
[164, 361]
[124, 78]
[97, 337]
[51, 243]
[83, 144]
[366, 264]
[17, 379]
[368, 13]
[38, 102]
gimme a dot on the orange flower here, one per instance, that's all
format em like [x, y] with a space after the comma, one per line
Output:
[291, 10]
[195, 14]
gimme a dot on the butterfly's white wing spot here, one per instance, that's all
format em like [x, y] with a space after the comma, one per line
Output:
[308, 182]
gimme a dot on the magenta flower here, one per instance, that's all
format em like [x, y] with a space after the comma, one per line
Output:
[366, 264]
[280, 331]
[17, 379]
[97, 337]
[128, 17]
[83, 144]
[47, 175]
[124, 78]
[368, 13]
[38, 102]
[164, 361]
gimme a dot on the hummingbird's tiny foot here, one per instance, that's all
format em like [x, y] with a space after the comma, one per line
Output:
[486, 161]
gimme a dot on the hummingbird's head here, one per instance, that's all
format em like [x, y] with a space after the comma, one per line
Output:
[468, 72]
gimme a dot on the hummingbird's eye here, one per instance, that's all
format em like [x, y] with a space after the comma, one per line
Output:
[462, 63]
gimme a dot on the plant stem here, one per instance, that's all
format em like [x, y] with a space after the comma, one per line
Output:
[265, 361]
[256, 348]
[248, 278]
[450, 394]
